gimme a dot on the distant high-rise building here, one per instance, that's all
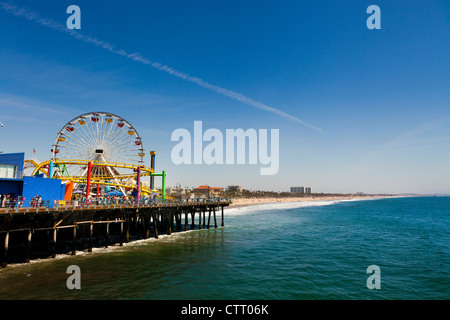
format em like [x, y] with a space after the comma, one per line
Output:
[297, 189]
[307, 190]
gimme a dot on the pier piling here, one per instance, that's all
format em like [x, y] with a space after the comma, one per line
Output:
[169, 223]
[6, 242]
[30, 233]
[127, 233]
[54, 239]
[209, 218]
[193, 221]
[155, 225]
[121, 231]
[74, 245]
[107, 234]
[91, 234]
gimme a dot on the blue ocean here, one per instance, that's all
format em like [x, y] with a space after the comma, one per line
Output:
[284, 251]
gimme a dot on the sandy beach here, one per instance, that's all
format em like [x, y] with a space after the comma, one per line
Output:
[240, 202]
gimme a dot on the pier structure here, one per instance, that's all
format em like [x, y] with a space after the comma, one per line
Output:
[91, 194]
[43, 232]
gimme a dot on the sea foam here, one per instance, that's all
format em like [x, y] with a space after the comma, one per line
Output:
[260, 208]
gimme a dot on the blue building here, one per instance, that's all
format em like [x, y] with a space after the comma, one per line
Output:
[11, 165]
[14, 184]
[11, 171]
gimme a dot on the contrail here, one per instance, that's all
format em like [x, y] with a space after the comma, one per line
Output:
[49, 23]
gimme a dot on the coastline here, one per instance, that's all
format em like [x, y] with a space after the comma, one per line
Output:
[244, 202]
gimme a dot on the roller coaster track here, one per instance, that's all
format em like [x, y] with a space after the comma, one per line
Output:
[31, 163]
[101, 180]
[145, 171]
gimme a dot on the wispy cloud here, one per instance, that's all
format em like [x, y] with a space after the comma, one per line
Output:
[24, 69]
[26, 108]
[414, 138]
[49, 23]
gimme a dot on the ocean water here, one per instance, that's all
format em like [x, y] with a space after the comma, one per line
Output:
[291, 251]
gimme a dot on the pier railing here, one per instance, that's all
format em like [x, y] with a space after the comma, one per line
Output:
[92, 203]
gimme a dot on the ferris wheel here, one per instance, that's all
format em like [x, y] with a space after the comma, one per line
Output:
[98, 137]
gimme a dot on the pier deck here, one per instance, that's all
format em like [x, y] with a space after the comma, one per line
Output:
[39, 232]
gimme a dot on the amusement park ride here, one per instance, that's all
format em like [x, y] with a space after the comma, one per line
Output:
[98, 152]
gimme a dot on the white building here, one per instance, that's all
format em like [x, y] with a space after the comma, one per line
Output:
[297, 189]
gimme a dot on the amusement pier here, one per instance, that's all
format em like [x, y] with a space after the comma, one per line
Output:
[90, 193]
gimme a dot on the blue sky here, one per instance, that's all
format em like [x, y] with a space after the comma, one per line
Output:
[381, 97]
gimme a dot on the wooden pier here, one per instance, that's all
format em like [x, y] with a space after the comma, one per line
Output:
[41, 232]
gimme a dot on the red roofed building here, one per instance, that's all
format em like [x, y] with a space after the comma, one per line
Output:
[207, 190]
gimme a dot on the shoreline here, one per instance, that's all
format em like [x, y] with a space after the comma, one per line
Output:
[244, 202]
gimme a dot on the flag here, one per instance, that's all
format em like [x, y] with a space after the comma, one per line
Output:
[34, 151]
